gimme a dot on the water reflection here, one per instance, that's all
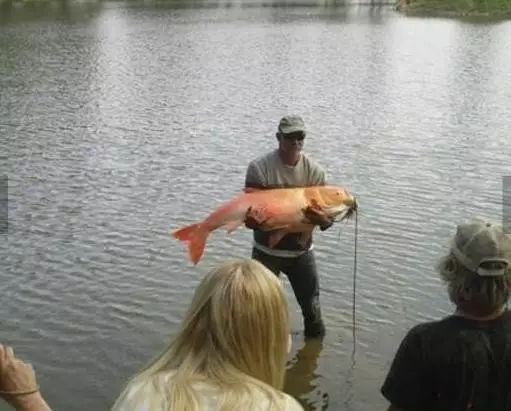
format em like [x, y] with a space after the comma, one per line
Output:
[302, 379]
[15, 11]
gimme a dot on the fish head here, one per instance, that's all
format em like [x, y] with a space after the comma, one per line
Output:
[336, 200]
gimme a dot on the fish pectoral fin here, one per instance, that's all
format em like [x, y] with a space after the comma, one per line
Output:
[275, 237]
[271, 223]
[233, 225]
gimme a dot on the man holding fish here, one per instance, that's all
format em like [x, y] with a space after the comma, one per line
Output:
[291, 253]
[285, 198]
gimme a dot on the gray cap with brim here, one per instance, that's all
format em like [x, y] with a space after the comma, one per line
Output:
[478, 244]
[291, 124]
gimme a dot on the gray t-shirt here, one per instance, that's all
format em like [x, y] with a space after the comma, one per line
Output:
[268, 172]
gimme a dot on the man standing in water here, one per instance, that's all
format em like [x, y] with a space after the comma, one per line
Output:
[288, 167]
[462, 362]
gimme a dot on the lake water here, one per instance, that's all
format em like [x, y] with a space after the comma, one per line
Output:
[122, 121]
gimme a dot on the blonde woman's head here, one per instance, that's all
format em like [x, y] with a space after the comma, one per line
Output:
[237, 324]
[233, 337]
[238, 318]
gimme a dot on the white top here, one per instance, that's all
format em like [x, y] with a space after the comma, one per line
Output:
[208, 397]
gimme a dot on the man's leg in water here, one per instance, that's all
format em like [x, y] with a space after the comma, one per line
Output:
[303, 276]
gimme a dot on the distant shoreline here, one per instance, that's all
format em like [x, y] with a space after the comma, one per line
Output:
[469, 9]
[476, 9]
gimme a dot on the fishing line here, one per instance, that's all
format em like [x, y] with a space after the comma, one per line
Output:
[354, 296]
[355, 278]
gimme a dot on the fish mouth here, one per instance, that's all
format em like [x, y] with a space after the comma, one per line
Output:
[345, 211]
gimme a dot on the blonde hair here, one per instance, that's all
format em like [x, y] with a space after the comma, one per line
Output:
[472, 293]
[234, 336]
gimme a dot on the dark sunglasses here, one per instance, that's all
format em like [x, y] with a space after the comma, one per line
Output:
[294, 136]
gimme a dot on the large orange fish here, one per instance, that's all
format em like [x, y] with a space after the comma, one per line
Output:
[279, 210]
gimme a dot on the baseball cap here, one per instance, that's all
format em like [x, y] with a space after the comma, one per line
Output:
[291, 124]
[478, 244]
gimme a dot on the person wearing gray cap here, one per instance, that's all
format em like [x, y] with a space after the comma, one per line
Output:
[462, 362]
[288, 167]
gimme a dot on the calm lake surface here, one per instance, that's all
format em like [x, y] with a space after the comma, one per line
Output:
[121, 122]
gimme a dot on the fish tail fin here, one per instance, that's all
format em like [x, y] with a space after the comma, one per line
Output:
[196, 236]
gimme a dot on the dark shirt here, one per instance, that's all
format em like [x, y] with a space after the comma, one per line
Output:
[453, 364]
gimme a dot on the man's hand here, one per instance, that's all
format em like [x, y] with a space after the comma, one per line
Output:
[252, 220]
[317, 216]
